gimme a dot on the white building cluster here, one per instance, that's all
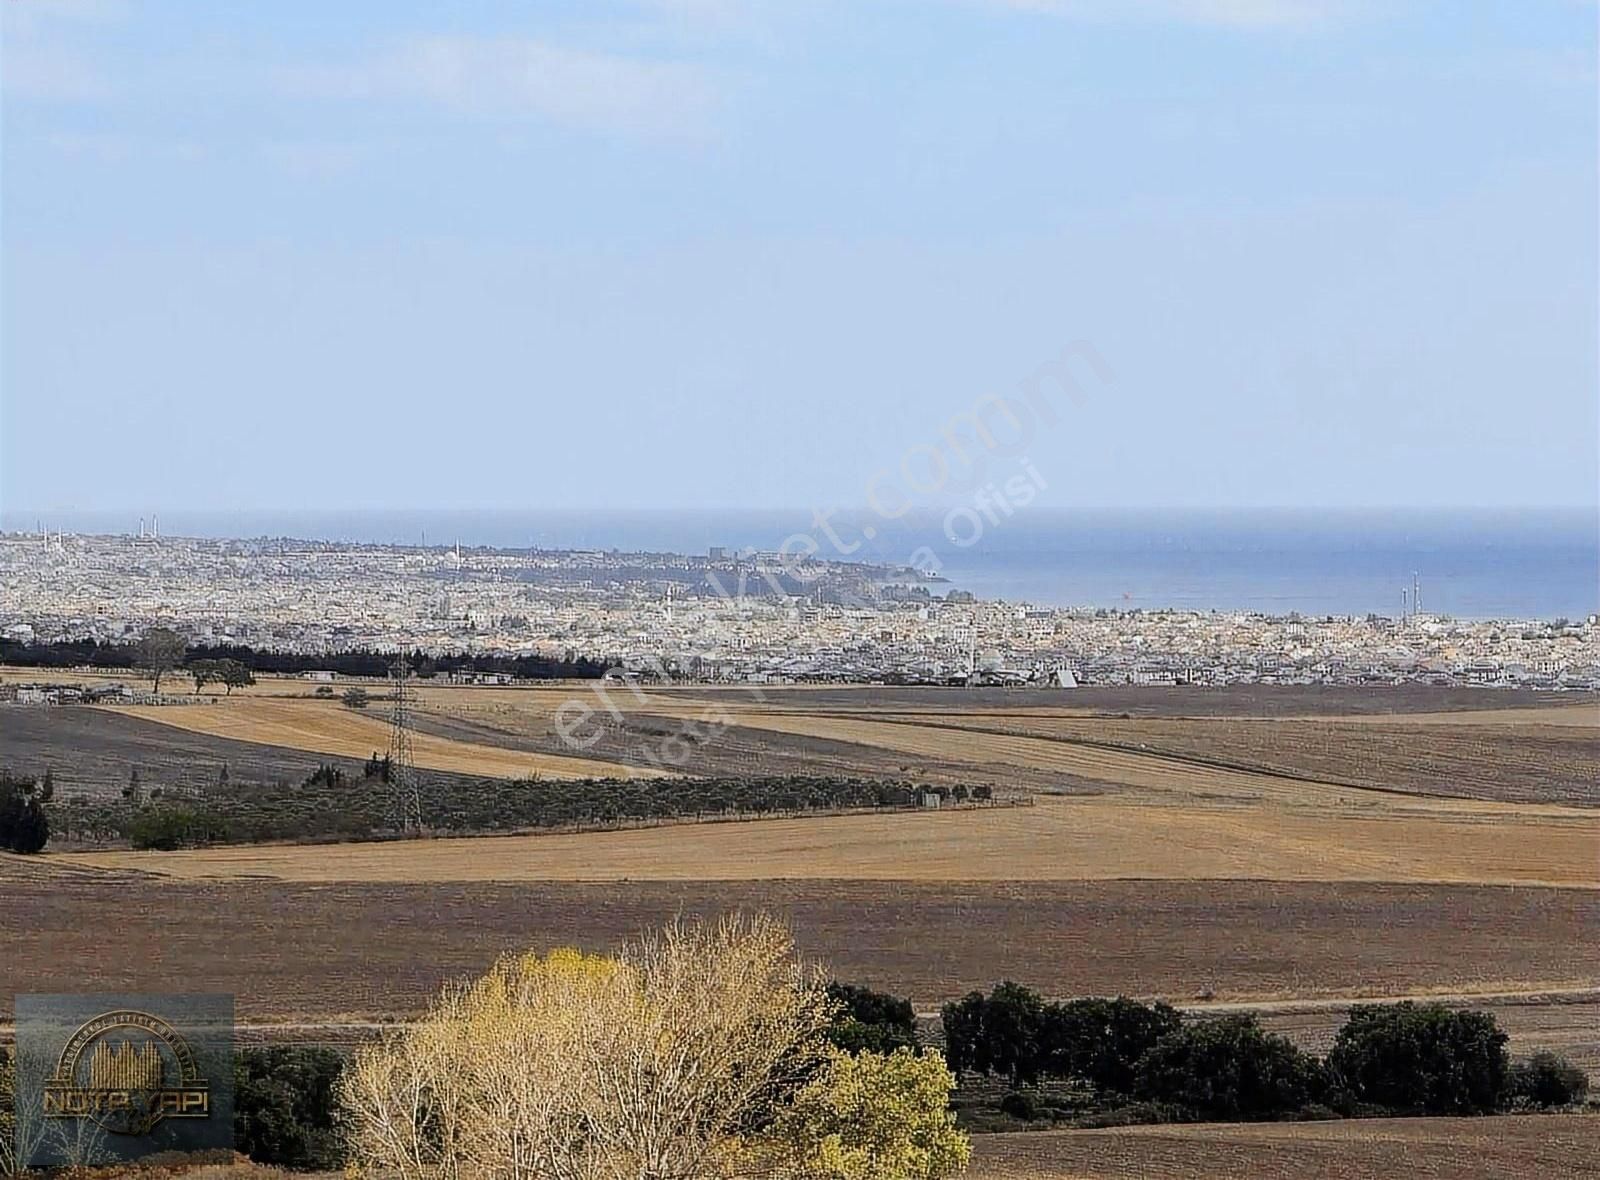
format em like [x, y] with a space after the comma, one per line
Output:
[726, 618]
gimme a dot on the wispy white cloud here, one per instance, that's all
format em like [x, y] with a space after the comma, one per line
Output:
[515, 78]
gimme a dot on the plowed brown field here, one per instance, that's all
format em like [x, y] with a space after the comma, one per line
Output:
[1504, 1148]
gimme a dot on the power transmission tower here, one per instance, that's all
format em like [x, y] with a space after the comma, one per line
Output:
[404, 789]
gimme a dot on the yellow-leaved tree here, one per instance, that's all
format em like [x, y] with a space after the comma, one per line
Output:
[875, 1116]
[691, 1055]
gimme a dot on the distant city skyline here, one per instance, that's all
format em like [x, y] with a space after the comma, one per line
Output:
[719, 254]
[1487, 563]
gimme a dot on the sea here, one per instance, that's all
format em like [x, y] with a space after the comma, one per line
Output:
[1469, 564]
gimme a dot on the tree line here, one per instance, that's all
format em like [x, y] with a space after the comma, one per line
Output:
[335, 803]
[847, 1065]
[114, 655]
[1151, 1063]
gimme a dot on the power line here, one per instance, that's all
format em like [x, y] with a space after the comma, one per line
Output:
[405, 790]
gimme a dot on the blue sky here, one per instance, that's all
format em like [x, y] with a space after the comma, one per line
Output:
[701, 253]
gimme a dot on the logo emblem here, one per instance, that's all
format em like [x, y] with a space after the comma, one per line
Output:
[127, 1071]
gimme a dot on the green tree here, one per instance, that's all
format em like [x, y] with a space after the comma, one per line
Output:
[665, 1062]
[1229, 1068]
[998, 1034]
[356, 697]
[875, 1116]
[1421, 1058]
[1101, 1040]
[24, 824]
[962, 1021]
[169, 826]
[284, 1102]
[1546, 1080]
[870, 1020]
[159, 652]
[203, 672]
[235, 675]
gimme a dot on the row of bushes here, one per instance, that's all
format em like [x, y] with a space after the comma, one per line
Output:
[331, 805]
[1143, 1062]
[1387, 1059]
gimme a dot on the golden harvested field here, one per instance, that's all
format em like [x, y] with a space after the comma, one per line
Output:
[1495, 796]
[1061, 838]
[1548, 753]
[1195, 743]
[328, 727]
[1513, 755]
[1534, 1147]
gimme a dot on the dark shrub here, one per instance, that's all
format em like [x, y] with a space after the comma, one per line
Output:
[871, 1021]
[1421, 1059]
[24, 826]
[1019, 1106]
[325, 775]
[1015, 1033]
[1101, 1041]
[170, 826]
[998, 1034]
[1229, 1068]
[283, 1106]
[1316, 1112]
[1546, 1080]
[962, 1021]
